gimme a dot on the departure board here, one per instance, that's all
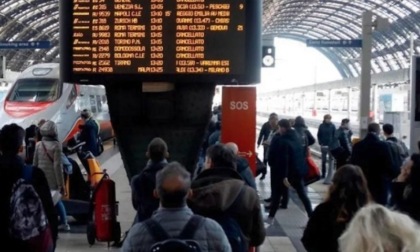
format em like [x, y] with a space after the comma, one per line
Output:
[160, 40]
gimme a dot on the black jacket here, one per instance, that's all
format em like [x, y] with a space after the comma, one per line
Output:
[264, 133]
[286, 156]
[323, 230]
[142, 186]
[10, 171]
[406, 199]
[342, 140]
[374, 157]
[214, 192]
[90, 134]
[326, 132]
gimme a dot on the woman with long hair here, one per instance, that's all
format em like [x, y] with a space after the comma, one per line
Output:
[348, 193]
[377, 229]
[406, 188]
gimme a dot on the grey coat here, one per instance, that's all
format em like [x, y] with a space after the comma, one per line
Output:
[49, 159]
[210, 236]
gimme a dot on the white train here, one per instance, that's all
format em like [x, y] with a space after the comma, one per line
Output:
[39, 94]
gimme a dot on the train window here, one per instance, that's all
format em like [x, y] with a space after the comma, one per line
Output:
[35, 90]
[99, 103]
[72, 97]
[92, 103]
[104, 104]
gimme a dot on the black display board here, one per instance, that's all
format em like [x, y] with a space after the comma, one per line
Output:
[105, 41]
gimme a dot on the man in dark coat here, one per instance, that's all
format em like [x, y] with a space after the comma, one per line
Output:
[374, 157]
[263, 136]
[89, 133]
[326, 132]
[288, 167]
[398, 149]
[143, 184]
[341, 147]
[219, 189]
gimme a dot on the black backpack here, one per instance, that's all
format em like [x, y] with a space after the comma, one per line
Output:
[183, 243]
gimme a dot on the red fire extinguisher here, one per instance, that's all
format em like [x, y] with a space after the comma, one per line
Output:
[104, 227]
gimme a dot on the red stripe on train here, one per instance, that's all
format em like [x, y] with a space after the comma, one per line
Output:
[24, 109]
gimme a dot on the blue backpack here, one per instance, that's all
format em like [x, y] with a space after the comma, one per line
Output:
[238, 241]
[183, 243]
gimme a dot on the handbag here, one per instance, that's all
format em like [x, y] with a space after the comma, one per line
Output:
[313, 174]
[261, 167]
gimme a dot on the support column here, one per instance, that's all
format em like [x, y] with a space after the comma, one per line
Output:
[375, 103]
[179, 115]
[365, 83]
[314, 109]
[302, 103]
[329, 101]
[349, 103]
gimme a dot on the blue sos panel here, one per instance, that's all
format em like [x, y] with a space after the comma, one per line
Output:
[203, 41]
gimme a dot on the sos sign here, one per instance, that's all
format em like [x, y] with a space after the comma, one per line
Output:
[239, 105]
[239, 117]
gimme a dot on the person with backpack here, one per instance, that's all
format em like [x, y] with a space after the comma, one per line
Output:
[220, 193]
[48, 157]
[28, 219]
[174, 227]
[341, 147]
[398, 149]
[143, 184]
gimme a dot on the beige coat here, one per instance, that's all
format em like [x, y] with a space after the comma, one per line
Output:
[48, 159]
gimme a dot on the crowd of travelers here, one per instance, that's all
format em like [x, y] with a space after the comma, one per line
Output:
[372, 203]
[215, 209]
[373, 200]
[34, 167]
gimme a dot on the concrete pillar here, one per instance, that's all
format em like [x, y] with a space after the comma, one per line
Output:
[302, 103]
[365, 83]
[330, 101]
[179, 116]
[349, 103]
[375, 103]
[315, 111]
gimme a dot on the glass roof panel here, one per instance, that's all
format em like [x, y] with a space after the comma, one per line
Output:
[302, 19]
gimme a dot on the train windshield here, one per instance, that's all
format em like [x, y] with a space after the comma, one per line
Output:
[35, 90]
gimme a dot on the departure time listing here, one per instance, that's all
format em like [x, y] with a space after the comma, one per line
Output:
[158, 36]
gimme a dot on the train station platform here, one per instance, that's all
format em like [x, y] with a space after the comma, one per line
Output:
[284, 235]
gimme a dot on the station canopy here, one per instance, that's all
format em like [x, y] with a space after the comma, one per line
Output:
[38, 20]
[342, 19]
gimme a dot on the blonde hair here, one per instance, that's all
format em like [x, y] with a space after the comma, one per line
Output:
[377, 229]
